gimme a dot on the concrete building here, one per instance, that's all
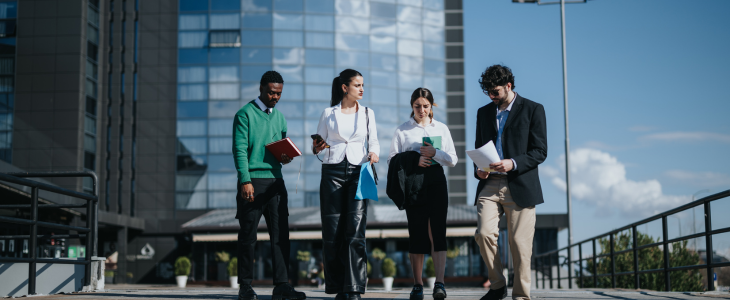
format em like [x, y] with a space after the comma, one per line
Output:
[142, 93]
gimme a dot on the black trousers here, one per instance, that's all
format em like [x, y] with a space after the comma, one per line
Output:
[270, 200]
[433, 206]
[343, 229]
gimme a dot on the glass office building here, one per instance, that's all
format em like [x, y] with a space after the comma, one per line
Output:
[8, 15]
[224, 46]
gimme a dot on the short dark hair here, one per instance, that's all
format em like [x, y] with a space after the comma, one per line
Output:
[271, 77]
[496, 75]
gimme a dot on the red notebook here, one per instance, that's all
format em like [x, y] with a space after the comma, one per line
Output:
[285, 146]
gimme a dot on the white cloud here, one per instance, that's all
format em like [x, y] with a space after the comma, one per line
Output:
[688, 136]
[699, 179]
[599, 179]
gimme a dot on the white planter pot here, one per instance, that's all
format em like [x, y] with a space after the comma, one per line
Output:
[234, 282]
[181, 281]
[388, 283]
[431, 281]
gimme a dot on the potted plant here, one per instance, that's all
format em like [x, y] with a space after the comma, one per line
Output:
[451, 256]
[388, 269]
[182, 270]
[222, 258]
[430, 272]
[233, 272]
[377, 256]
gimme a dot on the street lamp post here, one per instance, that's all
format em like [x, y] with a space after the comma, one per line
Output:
[565, 104]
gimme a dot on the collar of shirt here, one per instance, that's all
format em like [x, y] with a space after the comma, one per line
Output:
[263, 106]
[414, 123]
[509, 107]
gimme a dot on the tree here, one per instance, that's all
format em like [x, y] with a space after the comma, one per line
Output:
[649, 259]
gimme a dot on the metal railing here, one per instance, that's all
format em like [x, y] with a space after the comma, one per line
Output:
[544, 262]
[90, 232]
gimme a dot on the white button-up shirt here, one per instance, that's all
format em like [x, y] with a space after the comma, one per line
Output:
[263, 106]
[353, 146]
[409, 137]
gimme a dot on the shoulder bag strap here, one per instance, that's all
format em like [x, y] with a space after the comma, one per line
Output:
[367, 142]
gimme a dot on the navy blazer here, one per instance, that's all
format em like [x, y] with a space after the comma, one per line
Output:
[524, 139]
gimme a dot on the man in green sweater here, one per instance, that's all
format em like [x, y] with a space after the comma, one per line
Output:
[261, 189]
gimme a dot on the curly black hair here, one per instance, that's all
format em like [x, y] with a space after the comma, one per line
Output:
[271, 77]
[496, 75]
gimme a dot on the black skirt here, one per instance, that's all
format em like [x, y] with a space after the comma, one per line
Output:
[432, 206]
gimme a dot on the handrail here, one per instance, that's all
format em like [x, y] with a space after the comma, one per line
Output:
[539, 259]
[90, 232]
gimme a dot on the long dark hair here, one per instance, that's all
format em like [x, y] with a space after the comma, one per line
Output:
[422, 93]
[344, 78]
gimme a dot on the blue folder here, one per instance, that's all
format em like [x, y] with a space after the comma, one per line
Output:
[366, 188]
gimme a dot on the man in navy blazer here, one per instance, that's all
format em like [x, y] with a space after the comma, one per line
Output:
[511, 187]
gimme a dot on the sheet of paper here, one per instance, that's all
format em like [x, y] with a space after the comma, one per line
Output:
[484, 156]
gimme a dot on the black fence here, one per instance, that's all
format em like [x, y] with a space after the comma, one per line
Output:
[89, 233]
[545, 262]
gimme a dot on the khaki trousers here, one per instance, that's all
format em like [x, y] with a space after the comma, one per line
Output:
[494, 201]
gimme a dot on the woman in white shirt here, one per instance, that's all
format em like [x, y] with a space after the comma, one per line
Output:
[427, 216]
[348, 129]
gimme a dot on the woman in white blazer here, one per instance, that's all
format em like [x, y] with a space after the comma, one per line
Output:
[350, 138]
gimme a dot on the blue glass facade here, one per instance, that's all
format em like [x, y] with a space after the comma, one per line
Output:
[224, 46]
[8, 15]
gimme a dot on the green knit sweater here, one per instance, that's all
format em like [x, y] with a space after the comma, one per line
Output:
[252, 130]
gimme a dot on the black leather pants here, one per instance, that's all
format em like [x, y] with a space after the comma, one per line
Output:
[343, 229]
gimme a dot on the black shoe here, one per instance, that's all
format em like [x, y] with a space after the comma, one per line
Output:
[439, 291]
[497, 294]
[245, 292]
[341, 296]
[286, 291]
[417, 292]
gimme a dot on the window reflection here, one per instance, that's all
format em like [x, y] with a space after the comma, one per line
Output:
[224, 21]
[191, 182]
[256, 5]
[290, 73]
[319, 74]
[191, 127]
[320, 40]
[222, 181]
[434, 66]
[289, 5]
[290, 109]
[352, 59]
[223, 109]
[223, 91]
[253, 73]
[318, 92]
[352, 42]
[193, 22]
[291, 56]
[350, 24]
[256, 37]
[320, 6]
[193, 56]
[319, 23]
[191, 74]
[383, 27]
[410, 64]
[435, 84]
[360, 8]
[225, 5]
[222, 199]
[382, 44]
[320, 57]
[385, 79]
[382, 10]
[193, 39]
[409, 30]
[221, 162]
[409, 81]
[191, 146]
[256, 20]
[410, 47]
[409, 14]
[433, 34]
[188, 92]
[383, 61]
[223, 73]
[220, 127]
[432, 17]
[292, 91]
[433, 4]
[192, 109]
[224, 55]
[288, 38]
[196, 200]
[383, 96]
[433, 51]
[256, 55]
[193, 5]
[288, 21]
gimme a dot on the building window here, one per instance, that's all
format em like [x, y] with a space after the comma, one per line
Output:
[225, 39]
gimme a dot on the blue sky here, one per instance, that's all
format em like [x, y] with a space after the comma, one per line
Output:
[648, 104]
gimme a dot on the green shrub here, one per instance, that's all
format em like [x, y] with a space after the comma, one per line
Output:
[303, 255]
[430, 270]
[182, 266]
[453, 253]
[233, 267]
[370, 269]
[222, 256]
[378, 254]
[388, 268]
[303, 274]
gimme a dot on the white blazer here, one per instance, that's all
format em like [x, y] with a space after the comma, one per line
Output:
[353, 147]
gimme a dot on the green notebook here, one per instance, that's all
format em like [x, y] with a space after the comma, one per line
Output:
[435, 141]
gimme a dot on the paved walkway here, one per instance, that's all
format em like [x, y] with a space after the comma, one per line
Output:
[161, 292]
